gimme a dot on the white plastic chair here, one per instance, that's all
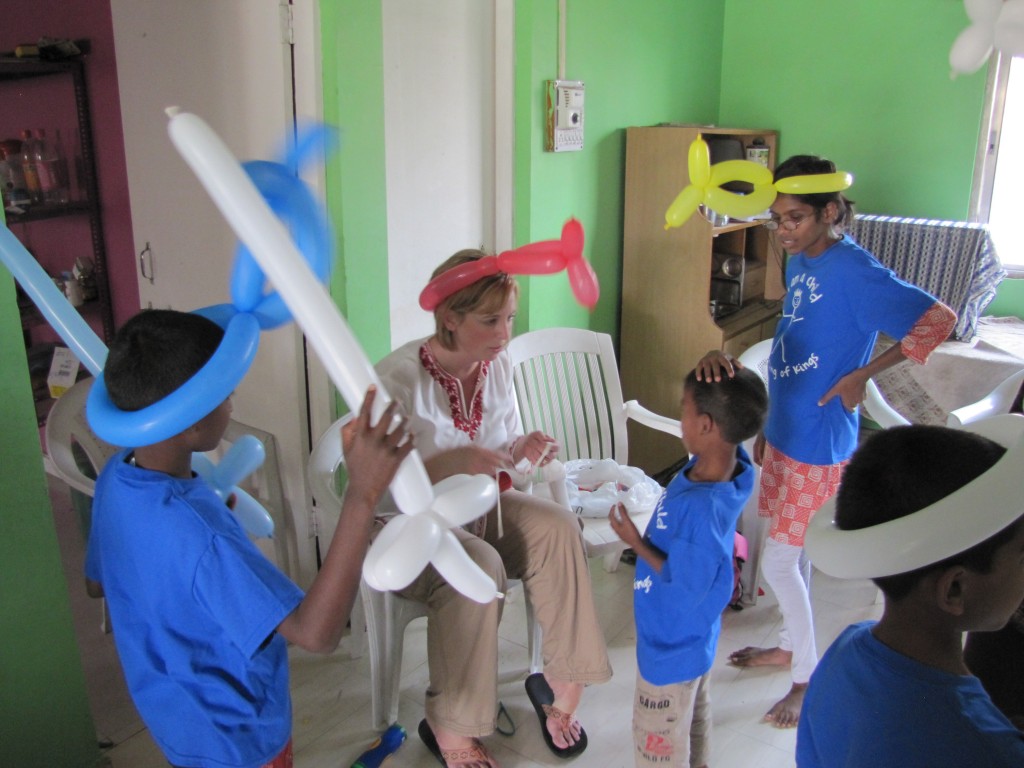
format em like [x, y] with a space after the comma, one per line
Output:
[754, 527]
[567, 386]
[385, 614]
[996, 402]
[77, 455]
[66, 428]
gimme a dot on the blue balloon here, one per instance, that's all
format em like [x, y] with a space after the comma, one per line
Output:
[294, 204]
[186, 405]
[313, 143]
[241, 460]
[53, 304]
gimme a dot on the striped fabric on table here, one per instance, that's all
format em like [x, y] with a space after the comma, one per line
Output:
[954, 261]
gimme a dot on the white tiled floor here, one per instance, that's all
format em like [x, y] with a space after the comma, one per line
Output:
[332, 700]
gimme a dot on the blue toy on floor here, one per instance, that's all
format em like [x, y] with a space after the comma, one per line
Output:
[382, 748]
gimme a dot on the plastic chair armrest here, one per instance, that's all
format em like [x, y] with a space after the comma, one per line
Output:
[987, 406]
[651, 419]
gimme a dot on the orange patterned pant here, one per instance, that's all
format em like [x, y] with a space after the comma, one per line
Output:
[791, 492]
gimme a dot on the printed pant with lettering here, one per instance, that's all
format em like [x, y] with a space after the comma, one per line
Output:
[672, 723]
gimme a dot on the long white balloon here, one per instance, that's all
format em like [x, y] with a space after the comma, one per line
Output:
[266, 237]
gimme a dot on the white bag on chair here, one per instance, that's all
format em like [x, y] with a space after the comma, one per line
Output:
[595, 486]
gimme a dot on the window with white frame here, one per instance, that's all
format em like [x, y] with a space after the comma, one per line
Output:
[998, 194]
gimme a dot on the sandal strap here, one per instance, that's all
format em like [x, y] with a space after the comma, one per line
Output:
[475, 753]
[564, 718]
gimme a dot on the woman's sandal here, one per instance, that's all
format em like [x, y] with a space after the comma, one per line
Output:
[453, 757]
[543, 699]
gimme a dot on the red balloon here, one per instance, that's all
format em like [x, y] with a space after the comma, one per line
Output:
[572, 237]
[541, 258]
[583, 281]
[455, 279]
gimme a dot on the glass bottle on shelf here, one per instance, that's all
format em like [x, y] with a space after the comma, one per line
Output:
[49, 171]
[12, 179]
[28, 166]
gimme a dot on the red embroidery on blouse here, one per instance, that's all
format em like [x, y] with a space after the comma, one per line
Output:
[468, 424]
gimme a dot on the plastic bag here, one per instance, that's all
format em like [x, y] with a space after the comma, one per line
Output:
[594, 487]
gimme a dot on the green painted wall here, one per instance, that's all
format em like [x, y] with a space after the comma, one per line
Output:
[44, 712]
[642, 63]
[865, 83]
[353, 80]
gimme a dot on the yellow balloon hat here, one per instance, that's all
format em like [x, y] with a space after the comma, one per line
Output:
[706, 183]
[954, 524]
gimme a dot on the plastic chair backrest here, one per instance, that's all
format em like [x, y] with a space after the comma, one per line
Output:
[324, 462]
[567, 385]
[756, 356]
[66, 429]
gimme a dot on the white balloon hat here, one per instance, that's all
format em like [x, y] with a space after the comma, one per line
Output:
[966, 517]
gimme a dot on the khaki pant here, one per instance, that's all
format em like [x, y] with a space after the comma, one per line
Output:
[672, 723]
[543, 546]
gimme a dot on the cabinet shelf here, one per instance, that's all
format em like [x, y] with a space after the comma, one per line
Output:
[32, 317]
[43, 211]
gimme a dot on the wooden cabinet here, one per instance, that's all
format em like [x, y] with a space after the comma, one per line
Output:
[670, 278]
[52, 95]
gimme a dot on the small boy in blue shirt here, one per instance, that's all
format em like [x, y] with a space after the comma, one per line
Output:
[201, 618]
[684, 573]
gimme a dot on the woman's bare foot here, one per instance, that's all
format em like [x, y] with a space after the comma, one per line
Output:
[563, 725]
[752, 656]
[786, 712]
[463, 751]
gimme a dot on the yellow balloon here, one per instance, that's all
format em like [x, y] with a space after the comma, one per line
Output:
[739, 170]
[682, 207]
[699, 160]
[740, 206]
[815, 183]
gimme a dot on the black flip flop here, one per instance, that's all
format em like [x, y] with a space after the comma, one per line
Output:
[428, 738]
[540, 693]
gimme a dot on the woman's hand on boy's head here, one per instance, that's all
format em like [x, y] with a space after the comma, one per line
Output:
[715, 364]
[373, 453]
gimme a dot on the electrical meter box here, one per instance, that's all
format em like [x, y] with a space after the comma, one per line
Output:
[564, 116]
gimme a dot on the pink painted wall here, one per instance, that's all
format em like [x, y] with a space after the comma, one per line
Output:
[25, 21]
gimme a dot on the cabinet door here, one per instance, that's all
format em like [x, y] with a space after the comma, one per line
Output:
[228, 62]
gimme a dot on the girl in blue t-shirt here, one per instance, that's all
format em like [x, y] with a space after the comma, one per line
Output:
[838, 298]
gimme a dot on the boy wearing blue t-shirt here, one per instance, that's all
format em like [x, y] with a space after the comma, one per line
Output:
[897, 693]
[201, 618]
[684, 575]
